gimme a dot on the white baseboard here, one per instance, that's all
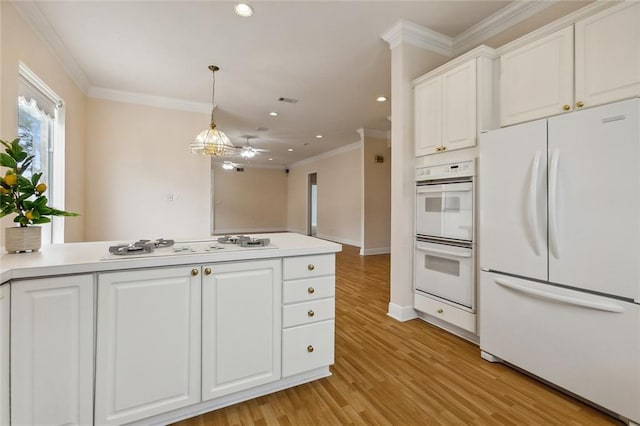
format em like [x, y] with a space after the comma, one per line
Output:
[225, 401]
[339, 240]
[372, 251]
[460, 332]
[401, 313]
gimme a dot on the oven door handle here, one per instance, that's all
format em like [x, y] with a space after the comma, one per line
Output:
[440, 251]
[449, 187]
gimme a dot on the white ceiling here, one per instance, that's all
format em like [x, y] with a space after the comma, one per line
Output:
[329, 55]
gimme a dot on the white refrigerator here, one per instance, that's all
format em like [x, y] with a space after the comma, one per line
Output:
[559, 251]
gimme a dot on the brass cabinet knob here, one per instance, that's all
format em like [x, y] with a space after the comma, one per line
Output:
[207, 271]
[566, 107]
[438, 149]
[311, 290]
[194, 272]
[444, 148]
[309, 348]
[440, 310]
[311, 267]
[579, 104]
[310, 313]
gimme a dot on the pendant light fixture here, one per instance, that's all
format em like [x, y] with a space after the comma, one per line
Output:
[212, 142]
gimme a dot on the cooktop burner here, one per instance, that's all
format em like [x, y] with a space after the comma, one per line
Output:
[244, 241]
[141, 246]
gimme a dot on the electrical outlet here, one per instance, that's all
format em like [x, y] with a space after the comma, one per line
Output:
[171, 197]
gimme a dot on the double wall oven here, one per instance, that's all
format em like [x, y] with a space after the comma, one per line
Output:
[444, 250]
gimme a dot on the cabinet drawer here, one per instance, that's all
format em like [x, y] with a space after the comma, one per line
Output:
[306, 313]
[308, 289]
[309, 266]
[307, 347]
[451, 314]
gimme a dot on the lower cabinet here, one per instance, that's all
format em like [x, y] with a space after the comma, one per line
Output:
[52, 338]
[5, 294]
[148, 348]
[241, 326]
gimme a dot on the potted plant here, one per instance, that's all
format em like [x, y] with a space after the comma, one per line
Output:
[25, 197]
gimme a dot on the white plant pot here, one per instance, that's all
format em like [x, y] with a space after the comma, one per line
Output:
[21, 239]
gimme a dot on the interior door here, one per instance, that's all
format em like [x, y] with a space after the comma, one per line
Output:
[594, 200]
[513, 209]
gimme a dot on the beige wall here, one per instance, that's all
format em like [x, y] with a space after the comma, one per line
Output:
[136, 156]
[376, 235]
[251, 201]
[19, 43]
[339, 196]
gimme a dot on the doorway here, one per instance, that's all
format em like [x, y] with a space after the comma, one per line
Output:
[312, 204]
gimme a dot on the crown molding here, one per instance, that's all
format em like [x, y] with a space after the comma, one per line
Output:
[480, 51]
[148, 100]
[31, 13]
[558, 24]
[408, 32]
[328, 154]
[500, 21]
[374, 134]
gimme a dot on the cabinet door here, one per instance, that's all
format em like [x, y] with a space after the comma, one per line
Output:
[241, 326]
[608, 56]
[428, 116]
[459, 107]
[148, 349]
[536, 80]
[5, 294]
[52, 339]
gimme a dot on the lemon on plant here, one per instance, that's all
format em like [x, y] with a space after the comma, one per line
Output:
[41, 187]
[10, 179]
[29, 214]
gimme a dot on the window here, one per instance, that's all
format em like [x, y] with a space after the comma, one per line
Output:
[41, 133]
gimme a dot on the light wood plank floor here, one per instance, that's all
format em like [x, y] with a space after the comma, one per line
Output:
[411, 373]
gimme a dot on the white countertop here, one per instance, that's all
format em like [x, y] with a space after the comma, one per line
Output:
[78, 258]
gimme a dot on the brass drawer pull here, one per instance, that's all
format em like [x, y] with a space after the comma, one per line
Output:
[309, 348]
[194, 272]
[579, 104]
[440, 310]
[311, 290]
[566, 107]
[311, 267]
[207, 271]
[310, 313]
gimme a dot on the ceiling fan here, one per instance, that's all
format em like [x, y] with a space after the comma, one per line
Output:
[248, 151]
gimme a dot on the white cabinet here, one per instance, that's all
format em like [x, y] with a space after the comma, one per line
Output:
[52, 338]
[536, 80]
[608, 56]
[241, 326]
[539, 80]
[148, 348]
[308, 313]
[454, 103]
[5, 294]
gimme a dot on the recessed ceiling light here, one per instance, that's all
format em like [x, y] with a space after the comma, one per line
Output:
[318, 136]
[243, 9]
[270, 159]
[290, 149]
[273, 114]
[381, 99]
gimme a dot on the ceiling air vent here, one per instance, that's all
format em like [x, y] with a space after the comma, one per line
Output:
[288, 100]
[239, 169]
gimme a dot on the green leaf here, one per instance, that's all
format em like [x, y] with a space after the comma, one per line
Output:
[35, 178]
[7, 161]
[36, 214]
[23, 220]
[41, 201]
[20, 156]
[41, 220]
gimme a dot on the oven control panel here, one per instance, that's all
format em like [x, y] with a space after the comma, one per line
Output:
[444, 171]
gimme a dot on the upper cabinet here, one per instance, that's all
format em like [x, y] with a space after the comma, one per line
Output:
[608, 55]
[539, 80]
[454, 103]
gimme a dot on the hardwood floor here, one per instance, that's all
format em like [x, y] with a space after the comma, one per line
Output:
[411, 373]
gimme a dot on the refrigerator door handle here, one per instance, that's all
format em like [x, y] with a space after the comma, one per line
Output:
[532, 210]
[607, 307]
[553, 204]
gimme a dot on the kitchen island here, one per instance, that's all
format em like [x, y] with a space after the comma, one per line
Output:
[161, 336]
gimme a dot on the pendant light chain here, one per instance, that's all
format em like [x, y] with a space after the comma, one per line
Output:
[213, 68]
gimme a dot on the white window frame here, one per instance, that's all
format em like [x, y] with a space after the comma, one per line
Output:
[58, 146]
